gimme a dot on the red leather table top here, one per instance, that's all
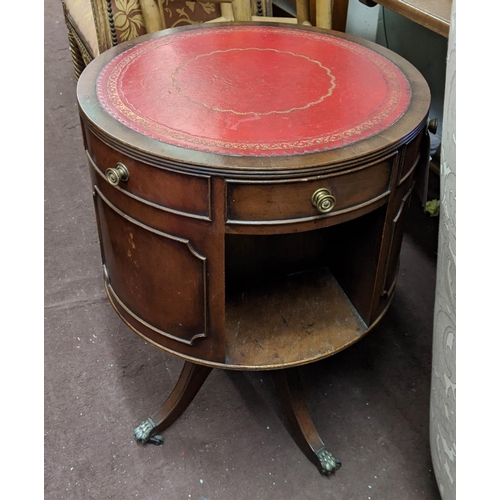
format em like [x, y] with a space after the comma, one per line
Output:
[253, 90]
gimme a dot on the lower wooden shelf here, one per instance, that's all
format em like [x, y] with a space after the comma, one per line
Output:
[289, 321]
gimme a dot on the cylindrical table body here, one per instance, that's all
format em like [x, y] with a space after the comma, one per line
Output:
[250, 183]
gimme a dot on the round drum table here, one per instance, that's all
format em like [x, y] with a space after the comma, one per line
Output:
[250, 183]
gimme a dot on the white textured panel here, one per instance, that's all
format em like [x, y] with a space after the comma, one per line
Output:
[443, 388]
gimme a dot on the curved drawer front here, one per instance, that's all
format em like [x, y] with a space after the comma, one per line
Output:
[282, 202]
[183, 194]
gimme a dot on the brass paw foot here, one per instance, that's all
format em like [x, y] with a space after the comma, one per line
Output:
[145, 433]
[328, 463]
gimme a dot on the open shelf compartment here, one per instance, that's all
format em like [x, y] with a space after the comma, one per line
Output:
[289, 320]
[295, 298]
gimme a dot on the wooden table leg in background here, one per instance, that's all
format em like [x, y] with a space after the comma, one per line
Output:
[293, 401]
[190, 381]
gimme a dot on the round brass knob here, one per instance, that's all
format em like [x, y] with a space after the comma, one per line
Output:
[432, 126]
[117, 174]
[323, 200]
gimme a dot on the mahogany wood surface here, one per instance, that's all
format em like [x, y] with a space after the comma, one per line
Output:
[282, 201]
[224, 259]
[433, 14]
[175, 236]
[287, 320]
[293, 401]
[190, 382]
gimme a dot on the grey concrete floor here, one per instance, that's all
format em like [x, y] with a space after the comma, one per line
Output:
[370, 402]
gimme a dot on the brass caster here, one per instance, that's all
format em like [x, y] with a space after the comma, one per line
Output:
[328, 463]
[145, 433]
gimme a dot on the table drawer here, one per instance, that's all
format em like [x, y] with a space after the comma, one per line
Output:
[275, 202]
[183, 194]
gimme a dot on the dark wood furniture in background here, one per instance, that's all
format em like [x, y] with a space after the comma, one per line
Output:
[432, 14]
[250, 183]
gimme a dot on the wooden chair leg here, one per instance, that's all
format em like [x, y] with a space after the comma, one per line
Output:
[293, 401]
[189, 383]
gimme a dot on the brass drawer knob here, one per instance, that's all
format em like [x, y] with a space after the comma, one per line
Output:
[323, 200]
[117, 174]
[432, 126]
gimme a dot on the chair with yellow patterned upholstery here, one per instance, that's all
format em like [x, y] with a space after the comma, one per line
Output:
[95, 26]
